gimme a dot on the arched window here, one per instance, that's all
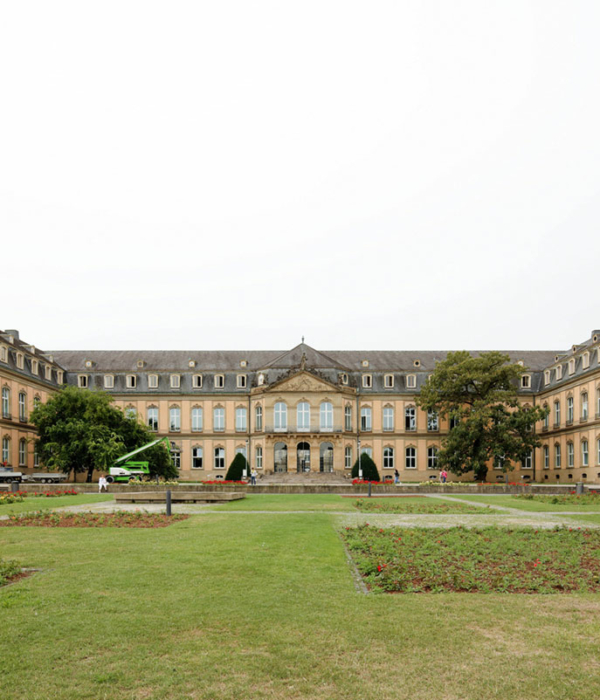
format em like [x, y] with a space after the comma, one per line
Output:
[388, 418]
[303, 457]
[22, 452]
[388, 458]
[258, 418]
[5, 402]
[197, 419]
[410, 418]
[432, 457]
[219, 458]
[280, 457]
[585, 457]
[303, 416]
[280, 416]
[326, 457]
[326, 416]
[411, 458]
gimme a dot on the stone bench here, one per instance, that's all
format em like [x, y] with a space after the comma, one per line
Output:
[180, 497]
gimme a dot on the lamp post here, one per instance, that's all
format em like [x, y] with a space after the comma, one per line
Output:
[360, 473]
[247, 470]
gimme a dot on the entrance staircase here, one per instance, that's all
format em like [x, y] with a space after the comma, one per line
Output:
[304, 479]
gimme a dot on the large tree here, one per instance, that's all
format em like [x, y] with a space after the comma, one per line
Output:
[489, 420]
[80, 430]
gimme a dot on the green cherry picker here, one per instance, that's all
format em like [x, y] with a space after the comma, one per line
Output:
[125, 470]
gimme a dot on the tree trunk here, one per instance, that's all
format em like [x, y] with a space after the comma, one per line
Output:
[89, 475]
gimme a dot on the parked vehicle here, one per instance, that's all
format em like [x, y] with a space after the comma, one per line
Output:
[45, 478]
[125, 470]
[8, 475]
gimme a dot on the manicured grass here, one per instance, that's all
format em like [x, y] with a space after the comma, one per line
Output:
[293, 502]
[264, 607]
[416, 505]
[43, 503]
[586, 518]
[485, 560]
[534, 505]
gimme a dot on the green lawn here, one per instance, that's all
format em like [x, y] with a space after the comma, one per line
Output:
[299, 502]
[43, 503]
[264, 607]
[536, 506]
[586, 518]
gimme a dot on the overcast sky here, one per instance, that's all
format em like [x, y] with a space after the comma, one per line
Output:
[237, 174]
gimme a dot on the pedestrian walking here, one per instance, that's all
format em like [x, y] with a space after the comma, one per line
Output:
[253, 475]
[396, 476]
[443, 476]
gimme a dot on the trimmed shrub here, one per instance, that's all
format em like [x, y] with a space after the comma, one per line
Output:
[369, 469]
[236, 468]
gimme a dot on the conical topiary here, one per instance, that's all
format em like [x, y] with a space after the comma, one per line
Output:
[369, 468]
[236, 468]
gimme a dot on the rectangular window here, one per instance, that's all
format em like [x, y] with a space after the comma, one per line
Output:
[584, 453]
[433, 423]
[367, 381]
[348, 458]
[197, 381]
[6, 402]
[411, 458]
[131, 381]
[559, 372]
[153, 418]
[20, 360]
[410, 418]
[584, 406]
[570, 454]
[175, 381]
[6, 450]
[219, 381]
[3, 354]
[258, 418]
[348, 418]
[82, 381]
[571, 366]
[109, 381]
[546, 423]
[241, 381]
[59, 376]
[258, 462]
[22, 407]
[389, 381]
[569, 410]
[411, 381]
[365, 419]
[34, 366]
[219, 458]
[197, 419]
[175, 419]
[197, 454]
[241, 420]
[557, 457]
[22, 453]
[527, 462]
[219, 419]
[526, 382]
[556, 414]
[153, 381]
[176, 456]
[547, 377]
[546, 457]
[388, 418]
[585, 360]
[326, 416]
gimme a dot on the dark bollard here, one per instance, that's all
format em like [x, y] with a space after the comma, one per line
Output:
[168, 501]
[579, 488]
[369, 489]
[14, 486]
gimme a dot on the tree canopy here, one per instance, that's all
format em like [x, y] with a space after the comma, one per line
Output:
[489, 420]
[80, 430]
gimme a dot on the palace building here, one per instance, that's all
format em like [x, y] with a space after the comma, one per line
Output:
[302, 410]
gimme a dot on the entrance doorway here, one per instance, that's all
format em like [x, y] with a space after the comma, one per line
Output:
[280, 457]
[303, 457]
[326, 457]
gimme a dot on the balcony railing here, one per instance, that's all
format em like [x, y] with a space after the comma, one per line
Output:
[294, 428]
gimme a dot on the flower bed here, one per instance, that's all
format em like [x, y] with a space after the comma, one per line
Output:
[571, 499]
[8, 571]
[118, 519]
[222, 481]
[362, 481]
[486, 560]
[414, 504]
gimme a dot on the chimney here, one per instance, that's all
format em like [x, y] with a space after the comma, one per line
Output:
[14, 333]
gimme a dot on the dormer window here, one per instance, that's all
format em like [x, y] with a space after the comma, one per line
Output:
[244, 363]
[35, 366]
[82, 381]
[367, 381]
[388, 381]
[3, 353]
[559, 372]
[365, 363]
[526, 381]
[109, 381]
[192, 363]
[571, 366]
[197, 381]
[344, 378]
[20, 360]
[261, 379]
[131, 381]
[59, 376]
[241, 381]
[585, 360]
[140, 364]
[153, 381]
[48, 372]
[547, 377]
[175, 381]
[88, 364]
[411, 381]
[219, 381]
[417, 363]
